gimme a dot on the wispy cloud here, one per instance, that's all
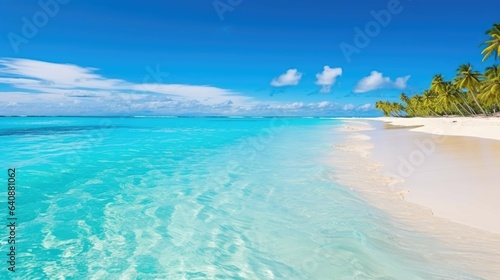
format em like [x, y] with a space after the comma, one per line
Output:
[312, 108]
[376, 80]
[52, 83]
[361, 108]
[290, 78]
[327, 78]
[365, 107]
[56, 78]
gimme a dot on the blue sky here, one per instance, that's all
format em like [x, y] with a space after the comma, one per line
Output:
[230, 57]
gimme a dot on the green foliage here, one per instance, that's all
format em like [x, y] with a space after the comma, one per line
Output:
[493, 44]
[469, 93]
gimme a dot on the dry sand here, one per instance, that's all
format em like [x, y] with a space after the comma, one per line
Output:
[480, 127]
[455, 177]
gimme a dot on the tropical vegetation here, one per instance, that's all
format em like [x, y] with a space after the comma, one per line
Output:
[469, 93]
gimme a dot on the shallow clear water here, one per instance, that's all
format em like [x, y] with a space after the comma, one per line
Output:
[194, 198]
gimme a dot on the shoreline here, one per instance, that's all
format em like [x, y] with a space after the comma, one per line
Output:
[362, 171]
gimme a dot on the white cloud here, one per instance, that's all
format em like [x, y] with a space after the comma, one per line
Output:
[57, 75]
[310, 108]
[323, 104]
[365, 107]
[348, 107]
[327, 78]
[290, 78]
[67, 79]
[361, 108]
[400, 82]
[376, 80]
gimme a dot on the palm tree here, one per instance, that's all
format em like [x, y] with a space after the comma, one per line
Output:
[491, 94]
[428, 99]
[438, 83]
[445, 91]
[415, 103]
[469, 79]
[380, 106]
[409, 106]
[492, 72]
[491, 87]
[385, 107]
[390, 109]
[397, 108]
[449, 96]
[493, 44]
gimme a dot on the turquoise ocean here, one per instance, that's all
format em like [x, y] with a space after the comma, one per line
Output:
[193, 198]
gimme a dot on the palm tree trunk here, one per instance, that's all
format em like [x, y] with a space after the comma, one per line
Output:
[449, 113]
[414, 112]
[470, 108]
[444, 110]
[471, 111]
[432, 111]
[458, 109]
[465, 109]
[477, 103]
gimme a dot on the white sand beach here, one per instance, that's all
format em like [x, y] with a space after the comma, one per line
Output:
[488, 128]
[443, 183]
[453, 170]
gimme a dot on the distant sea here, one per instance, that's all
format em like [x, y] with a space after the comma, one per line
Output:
[192, 198]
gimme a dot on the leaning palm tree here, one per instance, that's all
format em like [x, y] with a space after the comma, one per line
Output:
[428, 100]
[449, 96]
[384, 107]
[410, 110]
[469, 80]
[491, 94]
[438, 84]
[493, 44]
[418, 107]
[397, 109]
[446, 93]
[490, 91]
